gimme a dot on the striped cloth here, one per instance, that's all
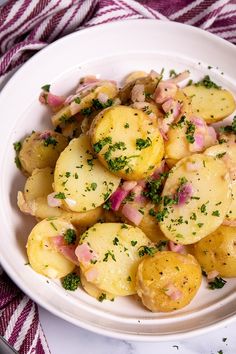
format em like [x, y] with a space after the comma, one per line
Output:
[27, 26]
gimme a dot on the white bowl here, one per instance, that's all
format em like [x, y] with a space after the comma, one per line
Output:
[111, 51]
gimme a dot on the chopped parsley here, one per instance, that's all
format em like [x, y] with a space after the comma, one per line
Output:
[77, 100]
[126, 125]
[229, 128]
[190, 132]
[99, 105]
[161, 245]
[219, 156]
[71, 281]
[102, 297]
[93, 186]
[60, 195]
[143, 143]
[46, 88]
[17, 162]
[111, 254]
[101, 143]
[70, 236]
[107, 205]
[115, 241]
[216, 213]
[217, 283]
[17, 146]
[129, 278]
[207, 82]
[172, 73]
[133, 243]
[145, 250]
[86, 111]
[50, 141]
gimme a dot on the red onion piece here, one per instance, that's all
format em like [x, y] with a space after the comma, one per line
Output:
[117, 198]
[128, 185]
[132, 214]
[185, 192]
[102, 97]
[164, 91]
[212, 275]
[174, 247]
[198, 144]
[68, 251]
[85, 254]
[180, 77]
[159, 170]
[54, 100]
[53, 202]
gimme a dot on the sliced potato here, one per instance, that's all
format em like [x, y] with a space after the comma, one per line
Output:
[39, 152]
[177, 146]
[34, 201]
[227, 153]
[127, 142]
[185, 101]
[195, 198]
[43, 257]
[217, 251]
[94, 291]
[149, 83]
[83, 182]
[86, 100]
[211, 104]
[116, 247]
[134, 76]
[168, 281]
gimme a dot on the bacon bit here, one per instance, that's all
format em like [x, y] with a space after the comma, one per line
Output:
[53, 202]
[117, 198]
[91, 274]
[180, 77]
[132, 214]
[173, 292]
[164, 91]
[68, 251]
[128, 185]
[175, 247]
[184, 193]
[137, 93]
[212, 275]
[85, 254]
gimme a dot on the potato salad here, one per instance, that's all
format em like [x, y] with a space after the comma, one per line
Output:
[133, 188]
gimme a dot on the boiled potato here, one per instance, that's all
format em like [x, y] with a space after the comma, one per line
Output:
[80, 179]
[115, 248]
[177, 146]
[33, 201]
[217, 251]
[85, 101]
[43, 257]
[127, 142]
[134, 76]
[211, 104]
[94, 291]
[227, 153]
[185, 101]
[195, 198]
[168, 281]
[41, 150]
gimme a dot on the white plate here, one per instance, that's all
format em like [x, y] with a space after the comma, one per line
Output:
[110, 51]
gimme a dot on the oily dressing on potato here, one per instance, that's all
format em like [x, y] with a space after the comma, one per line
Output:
[168, 281]
[109, 256]
[34, 200]
[217, 252]
[41, 150]
[80, 179]
[127, 142]
[43, 257]
[227, 153]
[195, 199]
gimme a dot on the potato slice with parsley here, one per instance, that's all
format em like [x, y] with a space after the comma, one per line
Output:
[94, 291]
[127, 142]
[195, 199]
[168, 281]
[217, 251]
[212, 104]
[41, 150]
[227, 153]
[43, 257]
[114, 252]
[85, 102]
[34, 201]
[80, 180]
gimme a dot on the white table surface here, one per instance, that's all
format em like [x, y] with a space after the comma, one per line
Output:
[65, 338]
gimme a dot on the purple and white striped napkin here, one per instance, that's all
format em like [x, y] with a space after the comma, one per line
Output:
[27, 26]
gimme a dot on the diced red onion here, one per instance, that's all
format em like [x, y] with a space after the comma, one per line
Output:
[180, 77]
[52, 201]
[68, 251]
[45, 135]
[54, 100]
[164, 91]
[212, 275]
[138, 194]
[159, 170]
[193, 166]
[85, 254]
[102, 97]
[154, 75]
[185, 192]
[117, 198]
[199, 122]
[163, 134]
[128, 185]
[173, 292]
[132, 214]
[198, 144]
[174, 247]
[137, 93]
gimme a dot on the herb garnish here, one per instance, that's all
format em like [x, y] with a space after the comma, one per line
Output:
[143, 143]
[217, 283]
[207, 82]
[60, 195]
[50, 141]
[71, 281]
[46, 88]
[70, 236]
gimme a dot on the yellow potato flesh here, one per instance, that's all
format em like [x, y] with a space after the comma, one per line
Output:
[43, 257]
[116, 246]
[128, 127]
[94, 291]
[35, 154]
[211, 104]
[229, 158]
[207, 205]
[217, 251]
[165, 270]
[84, 181]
